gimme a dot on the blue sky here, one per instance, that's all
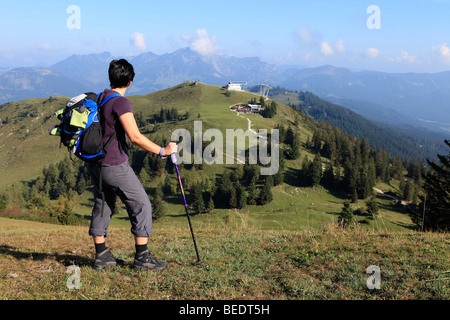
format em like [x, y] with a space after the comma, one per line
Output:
[411, 36]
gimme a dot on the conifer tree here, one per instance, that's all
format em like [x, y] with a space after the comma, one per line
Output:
[197, 199]
[265, 195]
[159, 207]
[372, 207]
[436, 204]
[144, 178]
[328, 176]
[233, 202]
[210, 208]
[316, 170]
[252, 194]
[241, 196]
[346, 217]
[278, 178]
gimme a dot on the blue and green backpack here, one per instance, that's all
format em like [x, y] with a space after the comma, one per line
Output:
[80, 128]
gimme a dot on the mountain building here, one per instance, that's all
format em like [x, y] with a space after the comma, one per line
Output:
[235, 85]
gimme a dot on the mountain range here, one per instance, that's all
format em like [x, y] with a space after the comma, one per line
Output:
[407, 99]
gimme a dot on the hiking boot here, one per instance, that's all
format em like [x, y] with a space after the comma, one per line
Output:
[106, 259]
[145, 261]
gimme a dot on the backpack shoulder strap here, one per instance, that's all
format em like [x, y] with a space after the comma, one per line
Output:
[107, 98]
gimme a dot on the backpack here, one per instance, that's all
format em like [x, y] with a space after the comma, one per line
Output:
[80, 128]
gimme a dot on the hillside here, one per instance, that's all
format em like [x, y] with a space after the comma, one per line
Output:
[290, 248]
[408, 142]
[423, 98]
[27, 149]
[25, 145]
[25, 142]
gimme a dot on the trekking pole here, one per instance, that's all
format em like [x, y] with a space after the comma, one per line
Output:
[175, 162]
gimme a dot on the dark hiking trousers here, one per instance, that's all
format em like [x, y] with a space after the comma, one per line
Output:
[119, 181]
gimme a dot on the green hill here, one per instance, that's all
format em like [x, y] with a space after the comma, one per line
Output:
[288, 249]
[26, 149]
[25, 145]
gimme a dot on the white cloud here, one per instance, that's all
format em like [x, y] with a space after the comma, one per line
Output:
[443, 52]
[329, 49]
[407, 57]
[372, 53]
[307, 37]
[137, 40]
[404, 57]
[326, 49]
[202, 43]
[6, 53]
[340, 47]
[288, 58]
[44, 47]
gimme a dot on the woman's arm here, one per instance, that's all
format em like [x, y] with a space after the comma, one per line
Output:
[131, 129]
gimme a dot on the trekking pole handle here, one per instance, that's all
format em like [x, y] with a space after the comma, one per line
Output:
[173, 156]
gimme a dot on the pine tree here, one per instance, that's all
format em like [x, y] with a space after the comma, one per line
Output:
[381, 165]
[81, 185]
[251, 173]
[290, 135]
[328, 176]
[210, 208]
[197, 201]
[317, 141]
[63, 210]
[159, 207]
[144, 178]
[295, 148]
[304, 176]
[372, 207]
[265, 196]
[330, 148]
[365, 151]
[169, 189]
[364, 186]
[437, 201]
[233, 199]
[397, 168]
[316, 170]
[278, 178]
[252, 194]
[67, 174]
[241, 196]
[350, 177]
[239, 173]
[410, 191]
[262, 102]
[346, 217]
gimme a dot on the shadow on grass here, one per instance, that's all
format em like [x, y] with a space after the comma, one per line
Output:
[65, 259]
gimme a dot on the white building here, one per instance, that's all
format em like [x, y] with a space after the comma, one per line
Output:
[235, 85]
[256, 108]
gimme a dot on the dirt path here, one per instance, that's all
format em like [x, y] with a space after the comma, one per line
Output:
[390, 196]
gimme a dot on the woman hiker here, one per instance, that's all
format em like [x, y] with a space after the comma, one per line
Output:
[117, 177]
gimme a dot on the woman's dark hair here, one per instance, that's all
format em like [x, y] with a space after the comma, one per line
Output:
[121, 73]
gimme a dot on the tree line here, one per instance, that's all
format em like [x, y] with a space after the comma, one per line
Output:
[52, 197]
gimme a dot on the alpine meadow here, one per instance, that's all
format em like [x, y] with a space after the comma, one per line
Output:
[336, 206]
[250, 159]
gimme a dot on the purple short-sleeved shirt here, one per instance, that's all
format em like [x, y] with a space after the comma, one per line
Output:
[111, 111]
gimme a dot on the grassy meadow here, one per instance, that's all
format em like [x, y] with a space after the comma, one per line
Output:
[242, 262]
[289, 249]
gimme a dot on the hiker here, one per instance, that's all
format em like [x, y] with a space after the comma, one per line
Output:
[117, 178]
